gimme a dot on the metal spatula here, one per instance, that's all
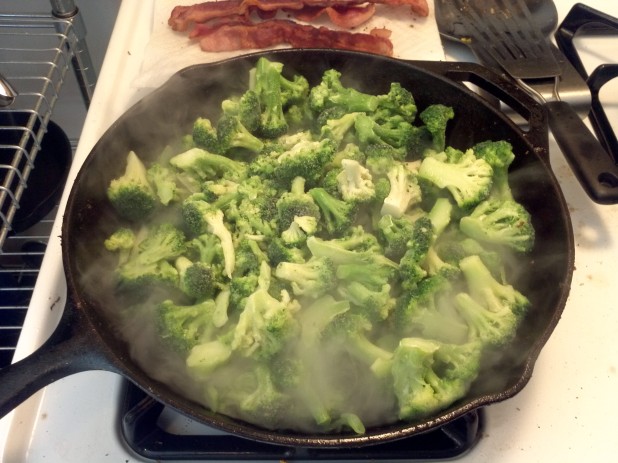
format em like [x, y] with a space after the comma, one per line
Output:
[502, 31]
[505, 29]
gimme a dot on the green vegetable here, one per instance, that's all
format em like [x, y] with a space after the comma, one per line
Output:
[318, 237]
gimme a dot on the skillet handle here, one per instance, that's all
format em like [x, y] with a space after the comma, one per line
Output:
[72, 347]
[592, 165]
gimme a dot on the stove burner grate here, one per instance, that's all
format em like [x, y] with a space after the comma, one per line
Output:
[144, 430]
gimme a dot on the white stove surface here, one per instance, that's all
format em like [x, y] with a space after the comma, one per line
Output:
[568, 412]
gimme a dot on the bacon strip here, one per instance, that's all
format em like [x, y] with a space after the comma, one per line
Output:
[241, 35]
[347, 18]
[182, 17]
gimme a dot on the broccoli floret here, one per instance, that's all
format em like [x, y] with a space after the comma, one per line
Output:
[404, 191]
[428, 375]
[122, 242]
[267, 86]
[205, 135]
[337, 215]
[204, 166]
[505, 223]
[264, 403]
[279, 251]
[468, 180]
[380, 158]
[306, 158]
[349, 331]
[163, 181]
[399, 101]
[491, 309]
[232, 134]
[131, 194]
[196, 279]
[205, 357]
[435, 118]
[296, 203]
[373, 274]
[339, 253]
[376, 304]
[148, 263]
[266, 323]
[298, 231]
[410, 268]
[312, 278]
[331, 92]
[337, 129]
[427, 311]
[246, 108]
[183, 327]
[200, 217]
[499, 155]
[394, 234]
[355, 182]
[349, 151]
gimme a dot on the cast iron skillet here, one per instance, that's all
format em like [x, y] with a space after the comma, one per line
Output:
[86, 340]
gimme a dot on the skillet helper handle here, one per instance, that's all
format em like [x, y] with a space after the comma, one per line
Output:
[592, 165]
[69, 350]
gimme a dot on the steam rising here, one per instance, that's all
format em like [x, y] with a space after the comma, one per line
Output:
[330, 375]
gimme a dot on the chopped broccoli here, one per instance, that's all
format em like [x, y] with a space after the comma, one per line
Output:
[246, 108]
[491, 309]
[468, 180]
[121, 241]
[435, 118]
[399, 101]
[394, 234]
[429, 375]
[196, 279]
[232, 134]
[337, 129]
[296, 203]
[266, 323]
[163, 181]
[306, 159]
[505, 223]
[268, 89]
[200, 217]
[312, 278]
[183, 327]
[205, 357]
[337, 214]
[205, 135]
[373, 274]
[204, 165]
[355, 182]
[349, 331]
[499, 155]
[404, 192]
[376, 304]
[148, 263]
[331, 92]
[131, 194]
[410, 265]
[427, 311]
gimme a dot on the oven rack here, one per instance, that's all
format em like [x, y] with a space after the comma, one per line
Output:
[36, 53]
[34, 58]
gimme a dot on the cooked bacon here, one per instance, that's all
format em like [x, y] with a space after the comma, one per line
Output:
[182, 16]
[347, 17]
[244, 36]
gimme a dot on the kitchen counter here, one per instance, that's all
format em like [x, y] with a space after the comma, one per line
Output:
[568, 412]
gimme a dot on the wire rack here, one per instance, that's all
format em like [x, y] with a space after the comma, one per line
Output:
[34, 57]
[36, 52]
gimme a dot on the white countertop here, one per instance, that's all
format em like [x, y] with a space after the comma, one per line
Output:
[568, 412]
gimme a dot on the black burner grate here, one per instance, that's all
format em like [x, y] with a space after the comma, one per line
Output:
[144, 432]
